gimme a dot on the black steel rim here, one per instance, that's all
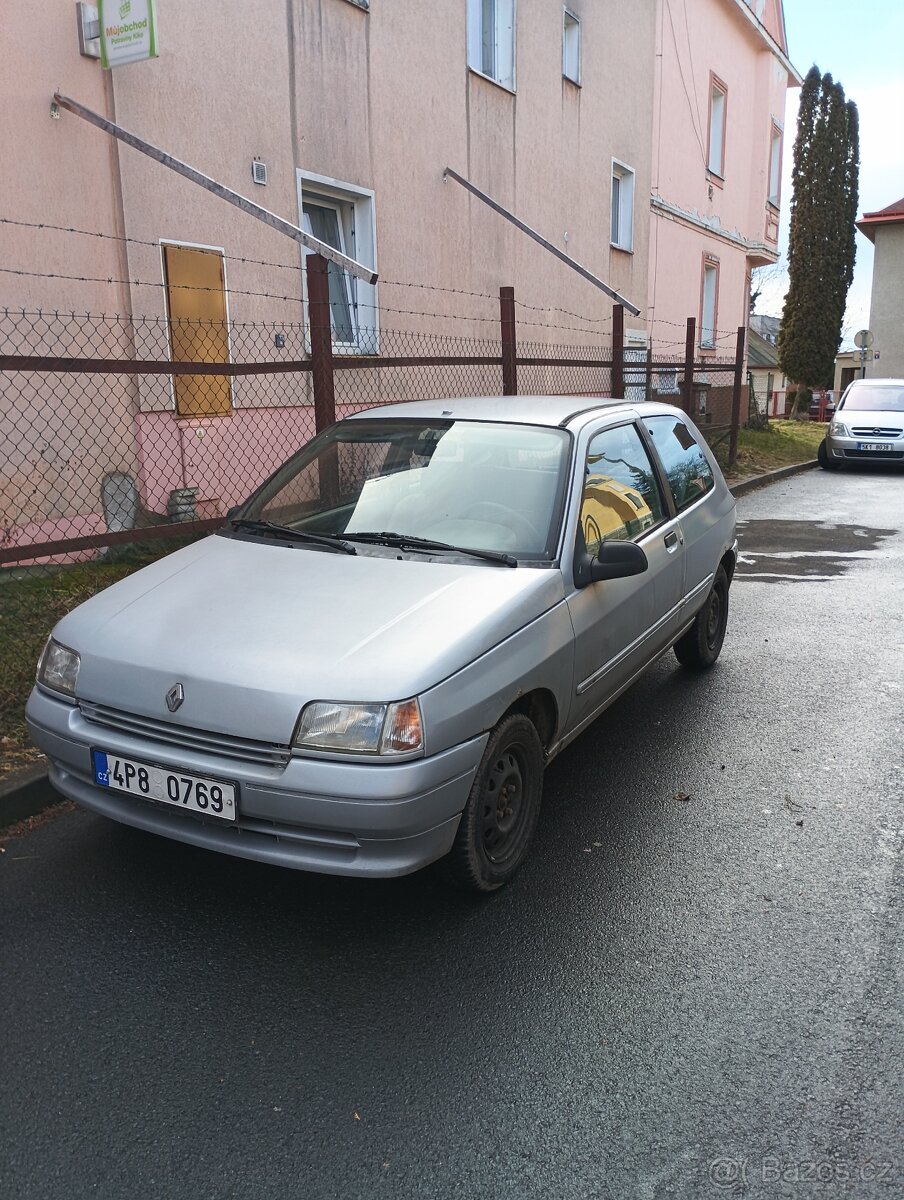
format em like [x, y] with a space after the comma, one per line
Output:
[714, 618]
[503, 804]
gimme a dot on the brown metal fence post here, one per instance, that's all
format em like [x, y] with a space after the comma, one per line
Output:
[321, 341]
[322, 367]
[736, 397]
[648, 390]
[618, 352]
[509, 344]
[687, 385]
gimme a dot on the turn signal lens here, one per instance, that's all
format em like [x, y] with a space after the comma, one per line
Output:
[403, 731]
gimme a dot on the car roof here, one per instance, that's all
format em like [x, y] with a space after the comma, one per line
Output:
[564, 411]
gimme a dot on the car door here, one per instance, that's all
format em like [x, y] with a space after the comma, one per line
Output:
[690, 481]
[621, 624]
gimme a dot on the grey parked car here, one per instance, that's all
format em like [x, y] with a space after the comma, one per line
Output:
[368, 667]
[867, 426]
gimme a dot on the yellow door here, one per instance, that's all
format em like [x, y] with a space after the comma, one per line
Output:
[196, 294]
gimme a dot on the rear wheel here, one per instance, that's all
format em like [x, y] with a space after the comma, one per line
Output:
[700, 646]
[502, 809]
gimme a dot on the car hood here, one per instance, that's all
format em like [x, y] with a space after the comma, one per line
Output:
[870, 418]
[253, 630]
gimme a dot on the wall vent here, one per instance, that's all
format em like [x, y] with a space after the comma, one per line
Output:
[259, 172]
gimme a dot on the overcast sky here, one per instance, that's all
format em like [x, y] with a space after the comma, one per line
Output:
[862, 46]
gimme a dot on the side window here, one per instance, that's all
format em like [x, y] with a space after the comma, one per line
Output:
[690, 476]
[621, 497]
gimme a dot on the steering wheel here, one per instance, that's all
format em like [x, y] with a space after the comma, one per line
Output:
[525, 532]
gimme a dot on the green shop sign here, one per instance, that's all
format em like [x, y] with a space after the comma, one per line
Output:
[128, 31]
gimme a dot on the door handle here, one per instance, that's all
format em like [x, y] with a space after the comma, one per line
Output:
[671, 541]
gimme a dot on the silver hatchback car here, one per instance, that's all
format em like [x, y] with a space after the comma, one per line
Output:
[368, 667]
[867, 426]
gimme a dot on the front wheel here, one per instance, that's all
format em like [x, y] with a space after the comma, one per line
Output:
[700, 646]
[502, 809]
[825, 460]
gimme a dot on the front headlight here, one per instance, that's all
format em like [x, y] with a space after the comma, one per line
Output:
[839, 429]
[390, 729]
[58, 668]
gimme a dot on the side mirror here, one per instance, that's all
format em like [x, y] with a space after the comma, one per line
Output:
[615, 560]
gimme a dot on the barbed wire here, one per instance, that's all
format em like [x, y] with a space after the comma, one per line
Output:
[299, 267]
[379, 308]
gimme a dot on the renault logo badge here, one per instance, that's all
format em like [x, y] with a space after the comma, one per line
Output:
[175, 696]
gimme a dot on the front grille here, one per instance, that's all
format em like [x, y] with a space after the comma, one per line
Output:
[876, 455]
[270, 754]
[862, 431]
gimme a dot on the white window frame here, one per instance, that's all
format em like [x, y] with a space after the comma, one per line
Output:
[357, 212]
[571, 46]
[491, 40]
[621, 206]
[775, 164]
[709, 303]
[718, 110]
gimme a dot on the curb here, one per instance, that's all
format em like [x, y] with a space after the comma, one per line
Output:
[29, 792]
[26, 794]
[743, 486]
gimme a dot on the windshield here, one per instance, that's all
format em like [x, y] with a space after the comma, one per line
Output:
[485, 485]
[876, 398]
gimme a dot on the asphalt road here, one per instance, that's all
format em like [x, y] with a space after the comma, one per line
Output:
[675, 998]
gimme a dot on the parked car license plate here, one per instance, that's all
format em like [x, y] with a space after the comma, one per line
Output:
[872, 445]
[212, 797]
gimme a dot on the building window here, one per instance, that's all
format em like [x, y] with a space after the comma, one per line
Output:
[491, 40]
[709, 305]
[571, 47]
[343, 216]
[622, 231]
[775, 165]
[718, 97]
[198, 327]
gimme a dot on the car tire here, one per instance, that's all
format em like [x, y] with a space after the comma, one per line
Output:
[699, 647]
[501, 814]
[822, 456]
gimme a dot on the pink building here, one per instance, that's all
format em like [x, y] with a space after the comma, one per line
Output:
[721, 79]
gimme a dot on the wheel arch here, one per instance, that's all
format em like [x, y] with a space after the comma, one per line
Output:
[541, 709]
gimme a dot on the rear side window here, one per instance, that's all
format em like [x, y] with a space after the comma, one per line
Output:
[690, 476]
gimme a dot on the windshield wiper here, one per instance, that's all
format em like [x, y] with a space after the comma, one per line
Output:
[404, 541]
[331, 540]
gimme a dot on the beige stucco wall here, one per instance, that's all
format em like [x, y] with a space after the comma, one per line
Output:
[58, 436]
[383, 100]
[886, 313]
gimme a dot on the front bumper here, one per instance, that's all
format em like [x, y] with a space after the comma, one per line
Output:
[340, 818]
[846, 449]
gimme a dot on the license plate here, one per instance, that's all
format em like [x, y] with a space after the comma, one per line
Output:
[212, 797]
[872, 445]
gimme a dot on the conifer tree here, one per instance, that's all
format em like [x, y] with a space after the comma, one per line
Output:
[821, 247]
